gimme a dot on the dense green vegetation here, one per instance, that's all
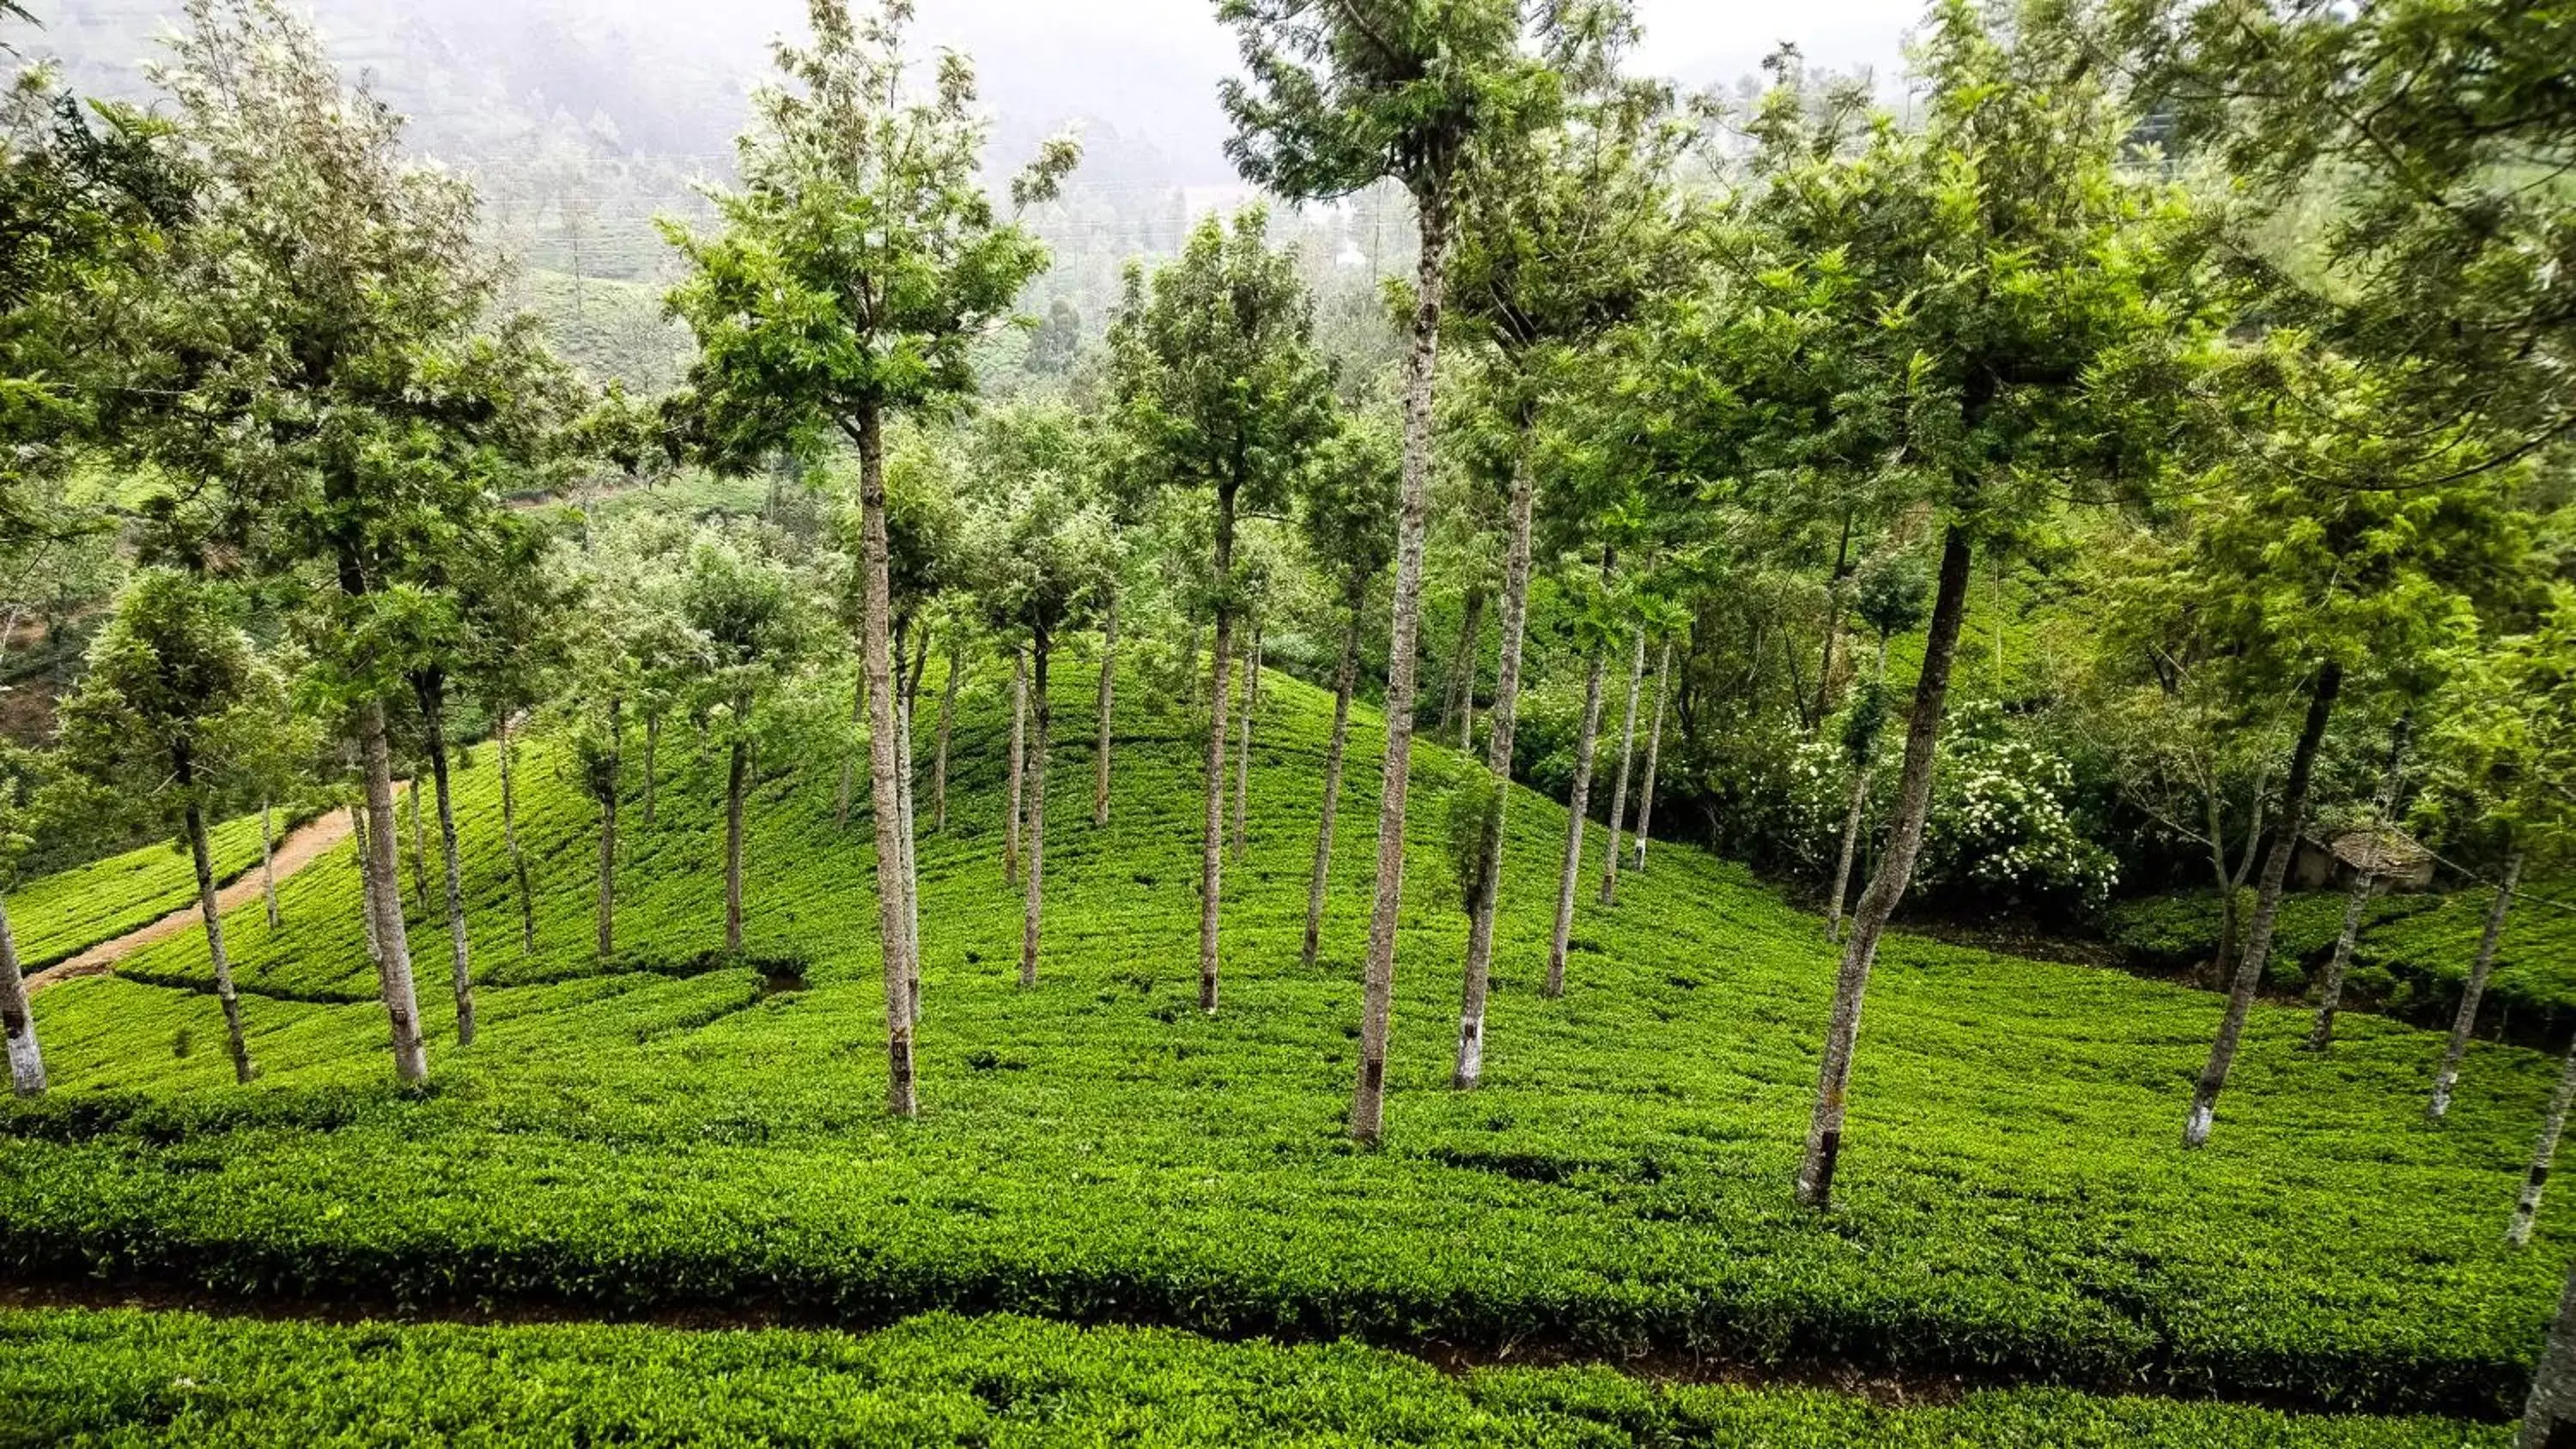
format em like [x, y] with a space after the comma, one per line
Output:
[130, 1378]
[61, 915]
[668, 1132]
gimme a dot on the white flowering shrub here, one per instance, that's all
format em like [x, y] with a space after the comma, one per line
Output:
[2003, 822]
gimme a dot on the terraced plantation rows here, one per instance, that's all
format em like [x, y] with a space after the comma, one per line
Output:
[57, 917]
[671, 1132]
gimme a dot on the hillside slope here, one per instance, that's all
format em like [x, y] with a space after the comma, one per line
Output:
[664, 1133]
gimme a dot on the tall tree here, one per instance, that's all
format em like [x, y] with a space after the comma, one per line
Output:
[1219, 389]
[849, 278]
[1889, 597]
[174, 702]
[1346, 513]
[1344, 93]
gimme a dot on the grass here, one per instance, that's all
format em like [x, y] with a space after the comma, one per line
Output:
[56, 917]
[661, 1133]
[69, 1377]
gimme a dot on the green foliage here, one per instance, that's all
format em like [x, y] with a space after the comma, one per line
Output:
[655, 1132]
[58, 916]
[941, 1379]
[1475, 833]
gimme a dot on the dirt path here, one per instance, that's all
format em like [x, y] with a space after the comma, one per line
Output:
[298, 850]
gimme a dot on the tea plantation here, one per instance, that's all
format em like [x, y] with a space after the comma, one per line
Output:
[676, 1133]
[59, 916]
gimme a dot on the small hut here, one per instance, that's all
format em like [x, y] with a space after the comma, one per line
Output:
[2396, 860]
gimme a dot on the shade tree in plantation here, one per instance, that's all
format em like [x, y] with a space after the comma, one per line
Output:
[357, 419]
[2005, 300]
[1889, 594]
[1043, 564]
[1346, 517]
[174, 702]
[1564, 237]
[1218, 391]
[748, 601]
[1341, 94]
[2501, 745]
[846, 280]
[516, 617]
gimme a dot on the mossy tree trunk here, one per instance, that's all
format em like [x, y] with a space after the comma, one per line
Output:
[1212, 836]
[1458, 707]
[894, 884]
[2549, 1414]
[1587, 742]
[2552, 1126]
[419, 845]
[384, 879]
[2267, 907]
[1422, 356]
[909, 688]
[1823, 1152]
[2465, 1020]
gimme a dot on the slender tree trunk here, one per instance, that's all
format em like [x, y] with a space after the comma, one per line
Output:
[18, 1017]
[210, 907]
[1627, 754]
[2365, 880]
[2267, 908]
[1587, 742]
[510, 841]
[402, 1008]
[652, 737]
[2549, 1415]
[2551, 1126]
[1503, 723]
[1018, 764]
[737, 777]
[2466, 1020]
[1036, 899]
[911, 857]
[1458, 710]
[894, 884]
[2229, 926]
[608, 845]
[1243, 747]
[419, 845]
[849, 755]
[1833, 626]
[1368, 1100]
[1345, 682]
[1853, 813]
[1654, 755]
[367, 890]
[947, 715]
[267, 865]
[1212, 836]
[1108, 698]
[433, 714]
[1895, 872]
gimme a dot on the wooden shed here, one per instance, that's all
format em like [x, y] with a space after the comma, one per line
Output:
[2329, 862]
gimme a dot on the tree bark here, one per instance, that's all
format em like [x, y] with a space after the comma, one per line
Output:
[2466, 1020]
[510, 841]
[1833, 626]
[1345, 683]
[210, 907]
[894, 883]
[1627, 754]
[1036, 900]
[1895, 872]
[433, 714]
[1212, 837]
[849, 756]
[652, 737]
[2330, 990]
[608, 845]
[1108, 699]
[18, 1017]
[737, 776]
[2549, 1415]
[1368, 1099]
[2551, 1127]
[267, 865]
[419, 846]
[911, 858]
[367, 891]
[2267, 907]
[1502, 724]
[1587, 742]
[1654, 755]
[1862, 769]
[1018, 764]
[1459, 708]
[1243, 747]
[947, 715]
[402, 1007]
